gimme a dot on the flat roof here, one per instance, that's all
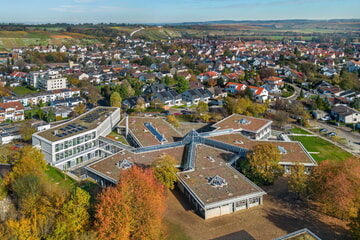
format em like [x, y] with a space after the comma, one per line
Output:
[236, 122]
[145, 136]
[211, 162]
[81, 124]
[107, 166]
[295, 153]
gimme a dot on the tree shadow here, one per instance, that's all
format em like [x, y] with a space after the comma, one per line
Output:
[243, 235]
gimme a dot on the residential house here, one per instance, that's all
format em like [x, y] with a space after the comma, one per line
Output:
[169, 98]
[345, 114]
[194, 96]
[273, 84]
[12, 111]
[131, 102]
[9, 132]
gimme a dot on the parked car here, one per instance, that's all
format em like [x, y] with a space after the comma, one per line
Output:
[166, 112]
[323, 130]
[177, 113]
[331, 134]
[326, 118]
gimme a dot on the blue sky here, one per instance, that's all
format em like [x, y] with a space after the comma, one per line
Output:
[173, 11]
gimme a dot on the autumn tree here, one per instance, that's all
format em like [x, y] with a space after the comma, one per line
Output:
[266, 72]
[140, 105]
[264, 164]
[354, 226]
[173, 120]
[298, 180]
[165, 170]
[281, 118]
[335, 185]
[74, 218]
[115, 100]
[244, 106]
[133, 209]
[79, 109]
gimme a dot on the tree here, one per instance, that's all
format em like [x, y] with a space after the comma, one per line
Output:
[165, 170]
[335, 185]
[79, 109]
[266, 72]
[281, 118]
[298, 180]
[202, 108]
[147, 61]
[50, 116]
[173, 120]
[140, 105]
[115, 100]
[182, 85]
[26, 131]
[27, 160]
[74, 217]
[133, 209]
[354, 226]
[248, 93]
[264, 164]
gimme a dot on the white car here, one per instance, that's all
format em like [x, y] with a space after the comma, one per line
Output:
[326, 118]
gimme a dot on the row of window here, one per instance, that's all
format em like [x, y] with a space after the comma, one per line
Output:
[74, 141]
[75, 150]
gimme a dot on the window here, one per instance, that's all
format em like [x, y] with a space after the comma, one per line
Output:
[240, 203]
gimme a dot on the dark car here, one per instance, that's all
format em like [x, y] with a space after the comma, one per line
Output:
[323, 130]
[165, 112]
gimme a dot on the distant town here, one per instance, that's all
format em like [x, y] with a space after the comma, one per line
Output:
[254, 129]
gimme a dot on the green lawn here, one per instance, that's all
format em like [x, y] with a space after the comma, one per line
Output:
[22, 90]
[300, 131]
[57, 176]
[327, 150]
[117, 137]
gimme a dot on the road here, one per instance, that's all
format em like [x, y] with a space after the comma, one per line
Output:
[297, 92]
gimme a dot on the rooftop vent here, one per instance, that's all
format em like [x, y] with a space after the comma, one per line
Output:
[244, 121]
[211, 158]
[217, 181]
[282, 150]
[125, 164]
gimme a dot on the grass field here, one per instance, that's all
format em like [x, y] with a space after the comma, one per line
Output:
[300, 131]
[22, 90]
[327, 150]
[58, 177]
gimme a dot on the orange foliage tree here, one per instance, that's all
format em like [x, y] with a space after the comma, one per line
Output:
[133, 209]
[335, 185]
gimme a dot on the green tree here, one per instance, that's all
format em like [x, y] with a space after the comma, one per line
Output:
[115, 100]
[147, 61]
[165, 170]
[264, 164]
[202, 108]
[182, 85]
